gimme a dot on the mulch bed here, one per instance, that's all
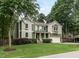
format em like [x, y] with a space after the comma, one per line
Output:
[9, 49]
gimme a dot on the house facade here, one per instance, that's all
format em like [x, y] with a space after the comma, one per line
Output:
[38, 30]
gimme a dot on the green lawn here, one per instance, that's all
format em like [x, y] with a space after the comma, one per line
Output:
[37, 50]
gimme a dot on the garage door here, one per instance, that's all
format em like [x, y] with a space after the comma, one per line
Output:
[56, 40]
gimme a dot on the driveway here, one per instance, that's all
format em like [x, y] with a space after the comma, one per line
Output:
[74, 54]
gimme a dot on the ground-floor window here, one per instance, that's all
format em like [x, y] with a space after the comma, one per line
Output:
[33, 35]
[51, 35]
[26, 34]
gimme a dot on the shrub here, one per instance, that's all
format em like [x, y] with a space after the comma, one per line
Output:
[47, 40]
[23, 41]
[3, 42]
[34, 40]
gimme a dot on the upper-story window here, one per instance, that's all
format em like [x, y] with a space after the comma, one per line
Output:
[55, 30]
[38, 27]
[33, 27]
[26, 26]
[55, 27]
[46, 28]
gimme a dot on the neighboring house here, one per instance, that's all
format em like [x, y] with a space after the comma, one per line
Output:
[37, 30]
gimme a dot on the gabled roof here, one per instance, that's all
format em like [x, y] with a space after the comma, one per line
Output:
[55, 22]
[39, 23]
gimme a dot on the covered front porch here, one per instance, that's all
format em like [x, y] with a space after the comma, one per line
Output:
[41, 35]
[46, 35]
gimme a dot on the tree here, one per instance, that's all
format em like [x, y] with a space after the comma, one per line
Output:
[62, 12]
[76, 17]
[10, 9]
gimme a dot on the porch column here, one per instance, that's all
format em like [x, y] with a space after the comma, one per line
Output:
[35, 35]
[40, 37]
[48, 35]
[19, 30]
[44, 35]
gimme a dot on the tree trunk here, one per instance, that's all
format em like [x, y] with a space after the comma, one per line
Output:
[9, 34]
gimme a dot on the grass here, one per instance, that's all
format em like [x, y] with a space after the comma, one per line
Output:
[37, 50]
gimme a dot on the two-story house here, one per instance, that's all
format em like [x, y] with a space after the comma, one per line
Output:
[38, 30]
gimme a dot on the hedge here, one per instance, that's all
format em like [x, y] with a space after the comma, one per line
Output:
[47, 40]
[23, 41]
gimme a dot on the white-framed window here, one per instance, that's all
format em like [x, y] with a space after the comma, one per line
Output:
[33, 27]
[55, 27]
[26, 34]
[36, 27]
[40, 27]
[26, 25]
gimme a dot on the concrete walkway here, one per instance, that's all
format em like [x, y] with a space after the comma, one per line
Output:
[74, 54]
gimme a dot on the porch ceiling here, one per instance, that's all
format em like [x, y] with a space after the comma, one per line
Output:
[40, 32]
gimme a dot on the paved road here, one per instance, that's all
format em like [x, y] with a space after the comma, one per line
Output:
[74, 54]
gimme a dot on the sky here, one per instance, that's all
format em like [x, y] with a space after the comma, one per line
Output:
[45, 6]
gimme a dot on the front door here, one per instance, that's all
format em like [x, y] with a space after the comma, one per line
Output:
[37, 36]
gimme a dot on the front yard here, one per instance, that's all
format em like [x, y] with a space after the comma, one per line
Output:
[37, 50]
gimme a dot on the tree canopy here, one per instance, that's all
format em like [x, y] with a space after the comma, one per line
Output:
[65, 12]
[10, 10]
[41, 17]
